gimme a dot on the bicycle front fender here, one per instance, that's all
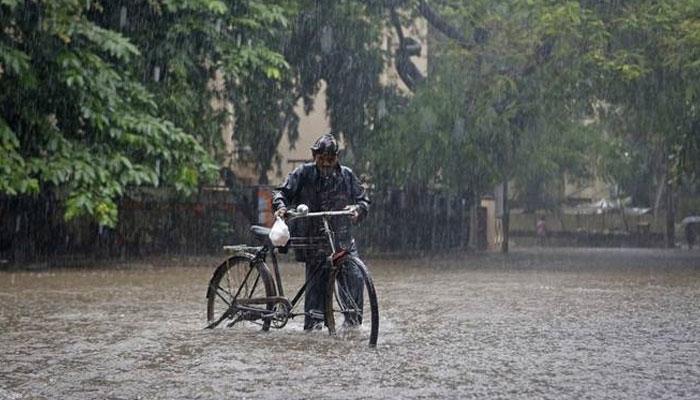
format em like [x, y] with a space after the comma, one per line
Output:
[339, 257]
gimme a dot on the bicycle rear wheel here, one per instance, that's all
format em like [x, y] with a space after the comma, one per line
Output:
[239, 278]
[352, 300]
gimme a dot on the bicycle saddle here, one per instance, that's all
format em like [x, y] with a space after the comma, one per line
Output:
[260, 232]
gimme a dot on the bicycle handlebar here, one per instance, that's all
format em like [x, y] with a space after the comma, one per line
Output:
[297, 214]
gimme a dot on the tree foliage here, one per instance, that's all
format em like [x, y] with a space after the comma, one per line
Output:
[339, 44]
[648, 77]
[534, 90]
[500, 102]
[97, 97]
[326, 44]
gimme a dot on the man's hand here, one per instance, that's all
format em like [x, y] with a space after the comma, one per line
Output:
[355, 213]
[281, 212]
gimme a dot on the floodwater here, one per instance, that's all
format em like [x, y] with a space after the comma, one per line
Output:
[538, 323]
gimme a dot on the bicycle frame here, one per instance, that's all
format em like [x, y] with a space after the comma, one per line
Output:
[334, 258]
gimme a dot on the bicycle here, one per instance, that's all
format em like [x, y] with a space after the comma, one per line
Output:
[231, 294]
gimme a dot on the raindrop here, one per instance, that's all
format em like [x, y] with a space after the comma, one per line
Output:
[458, 130]
[326, 39]
[122, 17]
[428, 120]
[381, 109]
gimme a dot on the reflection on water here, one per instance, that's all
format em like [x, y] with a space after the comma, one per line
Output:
[561, 323]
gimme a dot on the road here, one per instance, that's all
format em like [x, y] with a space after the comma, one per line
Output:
[537, 323]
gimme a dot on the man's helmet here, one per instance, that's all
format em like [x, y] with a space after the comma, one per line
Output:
[326, 144]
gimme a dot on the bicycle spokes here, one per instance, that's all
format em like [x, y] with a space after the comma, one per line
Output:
[232, 292]
[348, 303]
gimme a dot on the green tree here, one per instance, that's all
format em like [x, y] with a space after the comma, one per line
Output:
[502, 99]
[650, 77]
[97, 97]
[331, 44]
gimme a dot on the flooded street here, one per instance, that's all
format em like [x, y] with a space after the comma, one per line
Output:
[552, 323]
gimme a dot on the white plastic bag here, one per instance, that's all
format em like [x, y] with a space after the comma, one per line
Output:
[279, 234]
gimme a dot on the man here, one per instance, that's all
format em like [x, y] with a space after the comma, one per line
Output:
[541, 229]
[323, 185]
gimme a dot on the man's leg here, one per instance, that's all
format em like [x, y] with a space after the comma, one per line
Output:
[315, 296]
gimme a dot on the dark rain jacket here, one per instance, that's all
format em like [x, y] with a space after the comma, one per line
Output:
[305, 185]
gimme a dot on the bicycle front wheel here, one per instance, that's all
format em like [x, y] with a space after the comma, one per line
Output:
[235, 280]
[352, 300]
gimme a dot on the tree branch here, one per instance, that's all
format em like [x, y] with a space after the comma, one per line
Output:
[408, 72]
[439, 23]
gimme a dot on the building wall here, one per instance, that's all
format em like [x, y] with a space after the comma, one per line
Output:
[591, 190]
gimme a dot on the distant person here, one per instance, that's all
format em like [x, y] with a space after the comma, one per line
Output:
[541, 230]
[324, 185]
[690, 234]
